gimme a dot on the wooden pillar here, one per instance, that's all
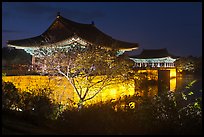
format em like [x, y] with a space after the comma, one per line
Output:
[33, 62]
[33, 59]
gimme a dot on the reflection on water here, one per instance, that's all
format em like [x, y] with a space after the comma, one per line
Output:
[182, 81]
[173, 84]
[177, 84]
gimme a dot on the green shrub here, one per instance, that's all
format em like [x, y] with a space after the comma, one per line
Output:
[10, 96]
[39, 105]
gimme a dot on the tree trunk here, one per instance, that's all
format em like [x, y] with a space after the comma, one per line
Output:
[80, 104]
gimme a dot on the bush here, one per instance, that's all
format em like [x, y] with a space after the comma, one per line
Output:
[166, 113]
[38, 103]
[10, 96]
[163, 114]
[35, 102]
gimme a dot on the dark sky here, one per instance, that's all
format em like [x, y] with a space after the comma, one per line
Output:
[176, 26]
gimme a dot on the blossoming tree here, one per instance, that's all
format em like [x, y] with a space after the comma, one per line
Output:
[89, 69]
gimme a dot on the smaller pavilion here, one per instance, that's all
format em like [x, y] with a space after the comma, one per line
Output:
[154, 58]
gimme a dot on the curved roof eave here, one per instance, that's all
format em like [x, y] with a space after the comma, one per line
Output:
[62, 29]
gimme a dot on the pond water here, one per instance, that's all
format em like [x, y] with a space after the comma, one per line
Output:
[190, 83]
[176, 84]
[185, 84]
[183, 81]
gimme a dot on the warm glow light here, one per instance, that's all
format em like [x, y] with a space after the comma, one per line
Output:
[62, 90]
[173, 84]
[172, 73]
[132, 105]
[151, 73]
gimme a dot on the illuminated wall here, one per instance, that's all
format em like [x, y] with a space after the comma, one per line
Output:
[62, 89]
[28, 83]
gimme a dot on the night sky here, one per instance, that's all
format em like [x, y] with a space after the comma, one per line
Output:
[176, 26]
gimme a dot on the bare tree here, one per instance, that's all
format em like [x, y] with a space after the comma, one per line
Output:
[89, 69]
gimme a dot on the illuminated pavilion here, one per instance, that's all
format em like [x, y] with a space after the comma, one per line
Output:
[159, 65]
[64, 33]
[154, 58]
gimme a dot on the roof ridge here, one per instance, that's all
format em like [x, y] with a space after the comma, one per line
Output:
[62, 28]
[156, 49]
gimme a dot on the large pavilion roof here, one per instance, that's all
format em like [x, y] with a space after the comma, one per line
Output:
[153, 53]
[62, 29]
